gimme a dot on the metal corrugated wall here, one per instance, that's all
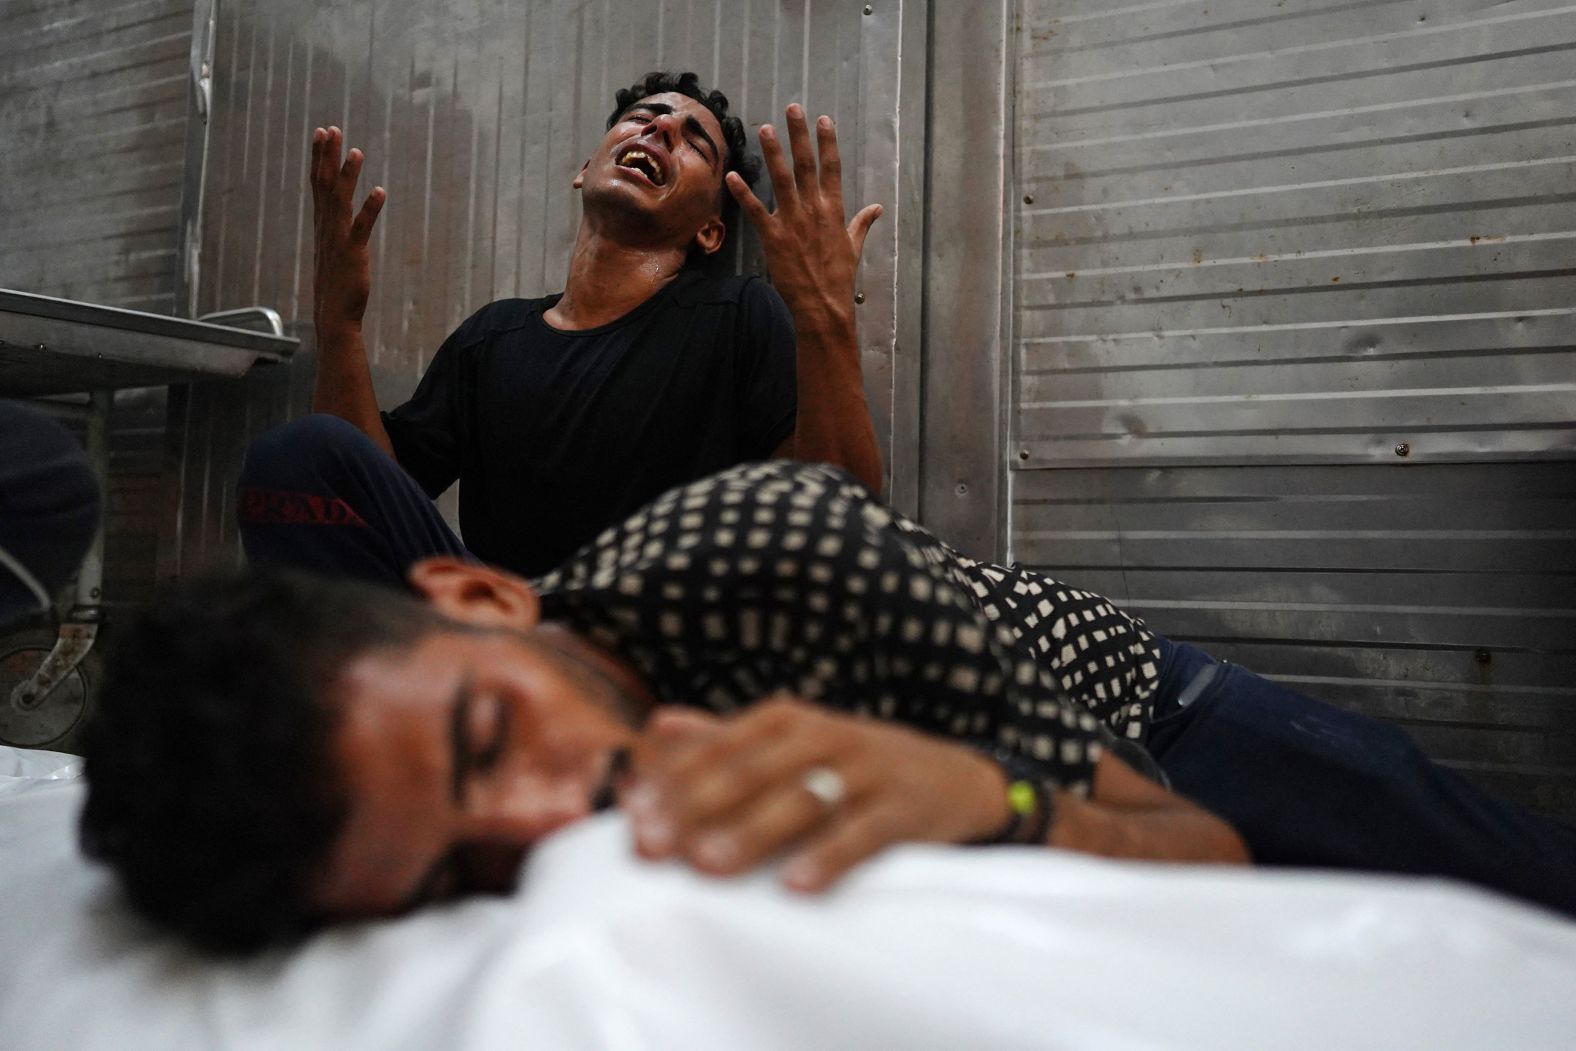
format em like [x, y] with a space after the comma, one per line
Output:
[93, 105]
[1294, 367]
[93, 117]
[476, 116]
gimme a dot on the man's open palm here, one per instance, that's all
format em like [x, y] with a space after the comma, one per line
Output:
[342, 264]
[811, 255]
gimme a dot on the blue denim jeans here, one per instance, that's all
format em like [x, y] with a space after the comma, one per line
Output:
[1309, 784]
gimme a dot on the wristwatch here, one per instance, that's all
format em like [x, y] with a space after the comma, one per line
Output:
[1030, 804]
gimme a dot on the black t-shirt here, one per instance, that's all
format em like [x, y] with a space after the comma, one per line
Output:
[788, 576]
[554, 435]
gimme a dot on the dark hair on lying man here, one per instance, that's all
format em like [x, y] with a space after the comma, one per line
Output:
[213, 792]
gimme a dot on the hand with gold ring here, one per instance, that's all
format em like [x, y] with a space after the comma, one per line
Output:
[785, 778]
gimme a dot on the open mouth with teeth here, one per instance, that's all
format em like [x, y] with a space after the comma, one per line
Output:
[639, 160]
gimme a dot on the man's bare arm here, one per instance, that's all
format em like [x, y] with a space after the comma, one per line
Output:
[812, 258]
[1129, 816]
[341, 285]
[727, 794]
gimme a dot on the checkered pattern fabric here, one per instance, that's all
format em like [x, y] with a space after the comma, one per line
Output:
[790, 577]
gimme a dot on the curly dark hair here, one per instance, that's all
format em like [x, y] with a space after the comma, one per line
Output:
[210, 789]
[738, 158]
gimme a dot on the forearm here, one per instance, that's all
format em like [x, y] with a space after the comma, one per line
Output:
[1128, 816]
[343, 386]
[341, 285]
[833, 423]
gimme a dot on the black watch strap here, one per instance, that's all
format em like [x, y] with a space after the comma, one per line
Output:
[1030, 803]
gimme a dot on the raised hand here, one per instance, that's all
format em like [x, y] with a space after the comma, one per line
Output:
[342, 268]
[726, 795]
[341, 284]
[811, 255]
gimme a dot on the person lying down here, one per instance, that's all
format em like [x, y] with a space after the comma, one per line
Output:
[766, 665]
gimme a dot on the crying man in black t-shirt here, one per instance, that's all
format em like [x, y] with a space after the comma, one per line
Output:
[561, 415]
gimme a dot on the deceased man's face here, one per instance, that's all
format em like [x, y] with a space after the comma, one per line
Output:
[456, 756]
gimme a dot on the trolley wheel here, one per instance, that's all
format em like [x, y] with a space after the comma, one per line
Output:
[57, 723]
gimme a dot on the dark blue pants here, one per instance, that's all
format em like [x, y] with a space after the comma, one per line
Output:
[1309, 784]
[318, 494]
[49, 509]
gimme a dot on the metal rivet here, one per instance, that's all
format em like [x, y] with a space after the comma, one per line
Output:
[1483, 656]
[41, 348]
[1028, 198]
[1403, 449]
[962, 489]
[1023, 454]
[869, 10]
[859, 297]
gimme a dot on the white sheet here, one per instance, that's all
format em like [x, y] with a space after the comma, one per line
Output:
[926, 948]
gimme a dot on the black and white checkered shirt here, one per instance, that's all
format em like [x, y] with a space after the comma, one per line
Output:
[783, 576]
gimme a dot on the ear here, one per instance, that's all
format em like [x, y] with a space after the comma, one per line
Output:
[580, 176]
[475, 594]
[709, 238]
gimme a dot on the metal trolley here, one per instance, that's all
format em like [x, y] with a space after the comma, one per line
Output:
[50, 350]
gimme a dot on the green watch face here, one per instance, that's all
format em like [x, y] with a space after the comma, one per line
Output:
[1021, 798]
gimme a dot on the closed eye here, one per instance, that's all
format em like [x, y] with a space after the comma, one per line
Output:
[695, 135]
[478, 734]
[693, 127]
[484, 733]
[486, 751]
